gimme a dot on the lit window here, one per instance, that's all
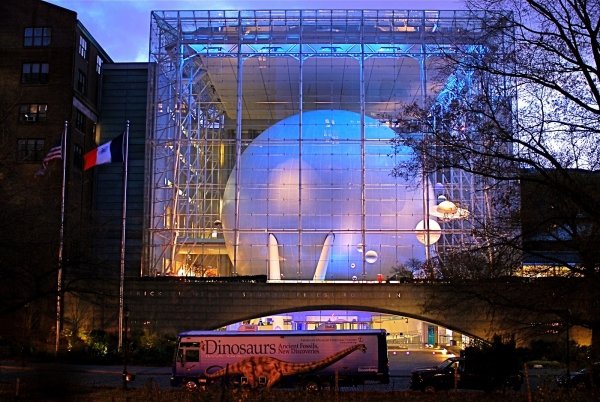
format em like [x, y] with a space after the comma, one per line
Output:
[33, 112]
[35, 73]
[30, 149]
[99, 63]
[83, 47]
[37, 37]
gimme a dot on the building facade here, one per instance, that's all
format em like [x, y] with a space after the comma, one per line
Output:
[260, 144]
[271, 150]
[125, 92]
[50, 82]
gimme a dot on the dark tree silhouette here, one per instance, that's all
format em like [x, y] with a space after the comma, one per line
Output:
[527, 118]
[29, 243]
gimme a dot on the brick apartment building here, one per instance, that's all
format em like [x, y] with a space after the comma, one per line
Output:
[50, 74]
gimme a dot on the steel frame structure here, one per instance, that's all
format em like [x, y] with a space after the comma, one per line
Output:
[201, 112]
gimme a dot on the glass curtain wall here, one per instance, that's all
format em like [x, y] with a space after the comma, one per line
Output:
[271, 147]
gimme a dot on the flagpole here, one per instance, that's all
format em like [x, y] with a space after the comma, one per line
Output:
[123, 222]
[61, 239]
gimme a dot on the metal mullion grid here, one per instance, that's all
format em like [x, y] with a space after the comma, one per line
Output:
[160, 232]
[210, 169]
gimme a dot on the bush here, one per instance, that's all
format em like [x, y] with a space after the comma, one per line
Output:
[150, 349]
[578, 356]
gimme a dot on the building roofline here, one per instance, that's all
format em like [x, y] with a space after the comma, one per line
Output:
[94, 41]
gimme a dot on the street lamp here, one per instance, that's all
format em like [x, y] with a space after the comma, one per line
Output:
[568, 354]
[125, 348]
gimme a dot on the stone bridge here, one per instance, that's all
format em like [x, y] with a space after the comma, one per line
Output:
[479, 309]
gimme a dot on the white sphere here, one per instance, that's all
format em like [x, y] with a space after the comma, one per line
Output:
[317, 188]
[435, 232]
[371, 256]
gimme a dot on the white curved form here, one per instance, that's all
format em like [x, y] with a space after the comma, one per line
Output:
[321, 270]
[274, 269]
[435, 232]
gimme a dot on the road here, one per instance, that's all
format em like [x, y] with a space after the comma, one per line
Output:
[401, 364]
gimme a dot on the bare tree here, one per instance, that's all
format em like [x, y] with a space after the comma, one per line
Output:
[29, 243]
[527, 116]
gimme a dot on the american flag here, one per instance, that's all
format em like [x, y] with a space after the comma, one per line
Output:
[53, 153]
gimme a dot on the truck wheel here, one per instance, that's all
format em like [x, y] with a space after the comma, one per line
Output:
[429, 389]
[312, 386]
[190, 385]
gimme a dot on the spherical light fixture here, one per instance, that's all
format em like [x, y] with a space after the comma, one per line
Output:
[435, 232]
[371, 256]
[447, 207]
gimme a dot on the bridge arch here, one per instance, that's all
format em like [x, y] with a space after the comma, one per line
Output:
[171, 306]
[372, 311]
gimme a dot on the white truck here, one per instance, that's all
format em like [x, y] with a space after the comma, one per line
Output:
[310, 359]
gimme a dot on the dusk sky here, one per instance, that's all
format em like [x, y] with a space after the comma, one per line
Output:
[122, 27]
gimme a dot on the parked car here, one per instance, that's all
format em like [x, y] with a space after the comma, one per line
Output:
[460, 373]
[585, 378]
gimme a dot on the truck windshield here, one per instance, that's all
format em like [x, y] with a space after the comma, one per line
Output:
[188, 352]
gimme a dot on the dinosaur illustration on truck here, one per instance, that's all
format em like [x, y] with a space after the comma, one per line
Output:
[270, 370]
[266, 358]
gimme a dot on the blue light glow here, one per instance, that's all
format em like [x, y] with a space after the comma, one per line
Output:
[301, 194]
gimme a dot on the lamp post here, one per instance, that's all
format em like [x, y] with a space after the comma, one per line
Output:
[125, 348]
[568, 351]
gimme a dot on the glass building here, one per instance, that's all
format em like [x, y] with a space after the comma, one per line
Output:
[270, 151]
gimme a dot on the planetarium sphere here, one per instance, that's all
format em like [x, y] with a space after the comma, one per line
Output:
[325, 194]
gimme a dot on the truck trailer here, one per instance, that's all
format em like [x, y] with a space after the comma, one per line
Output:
[309, 359]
